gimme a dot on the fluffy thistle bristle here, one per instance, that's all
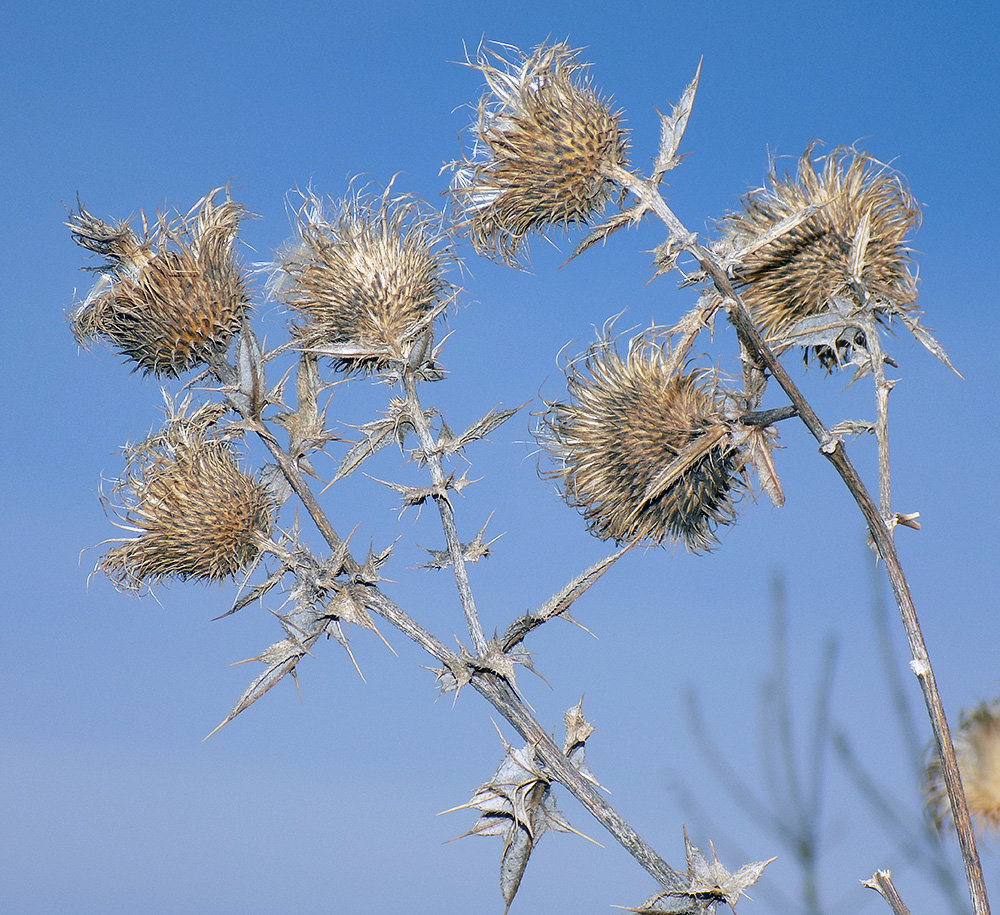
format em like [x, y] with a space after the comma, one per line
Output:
[544, 146]
[367, 281]
[168, 302]
[797, 274]
[977, 748]
[643, 453]
[197, 515]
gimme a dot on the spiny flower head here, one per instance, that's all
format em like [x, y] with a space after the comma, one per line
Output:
[545, 147]
[367, 280]
[977, 747]
[797, 274]
[195, 513]
[643, 450]
[169, 301]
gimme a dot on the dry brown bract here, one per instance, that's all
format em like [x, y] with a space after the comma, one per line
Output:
[798, 274]
[646, 455]
[170, 301]
[544, 145]
[977, 747]
[367, 281]
[195, 513]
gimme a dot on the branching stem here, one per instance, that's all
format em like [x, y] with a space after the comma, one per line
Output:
[497, 691]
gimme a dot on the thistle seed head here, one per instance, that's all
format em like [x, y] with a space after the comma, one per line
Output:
[797, 274]
[195, 513]
[643, 453]
[544, 146]
[367, 281]
[169, 301]
[977, 747]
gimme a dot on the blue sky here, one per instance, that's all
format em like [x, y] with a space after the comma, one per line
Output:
[110, 801]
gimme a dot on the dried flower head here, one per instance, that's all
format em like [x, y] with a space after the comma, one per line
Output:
[169, 301]
[195, 513]
[544, 151]
[367, 280]
[645, 452]
[977, 747]
[798, 274]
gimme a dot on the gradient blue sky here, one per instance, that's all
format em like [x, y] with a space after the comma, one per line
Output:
[109, 801]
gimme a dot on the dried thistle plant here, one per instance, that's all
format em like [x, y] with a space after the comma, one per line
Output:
[799, 274]
[977, 745]
[544, 146]
[648, 447]
[366, 280]
[169, 301]
[195, 513]
[646, 453]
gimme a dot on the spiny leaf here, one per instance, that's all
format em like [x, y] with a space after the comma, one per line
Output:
[709, 883]
[925, 337]
[479, 429]
[561, 601]
[631, 214]
[672, 128]
[473, 551]
[280, 658]
[516, 804]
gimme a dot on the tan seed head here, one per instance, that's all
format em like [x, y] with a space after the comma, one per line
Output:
[195, 513]
[544, 145]
[367, 281]
[168, 302]
[977, 747]
[797, 275]
[644, 454]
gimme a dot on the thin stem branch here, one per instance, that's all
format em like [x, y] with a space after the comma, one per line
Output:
[833, 449]
[455, 552]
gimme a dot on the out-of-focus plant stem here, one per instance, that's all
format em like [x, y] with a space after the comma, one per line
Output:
[833, 449]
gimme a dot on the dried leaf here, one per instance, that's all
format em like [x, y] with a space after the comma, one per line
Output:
[280, 658]
[479, 429]
[631, 214]
[516, 804]
[561, 601]
[925, 338]
[709, 883]
[672, 128]
[394, 426]
[473, 551]
[250, 394]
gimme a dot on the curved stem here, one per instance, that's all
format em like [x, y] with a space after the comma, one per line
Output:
[833, 449]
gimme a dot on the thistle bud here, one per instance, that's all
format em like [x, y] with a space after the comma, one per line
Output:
[170, 301]
[545, 147]
[977, 748]
[366, 281]
[643, 452]
[799, 273]
[195, 513]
